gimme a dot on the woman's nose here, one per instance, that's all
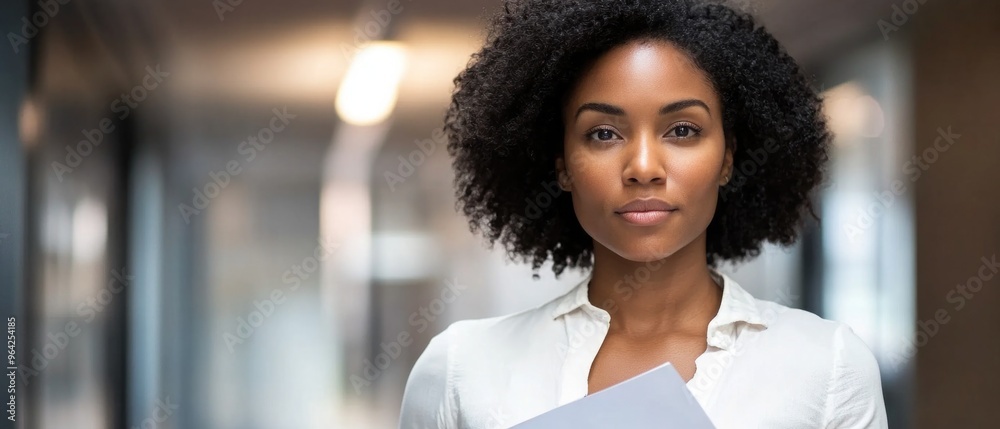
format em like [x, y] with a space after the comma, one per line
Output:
[644, 164]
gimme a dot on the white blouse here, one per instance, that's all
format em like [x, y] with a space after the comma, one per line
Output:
[766, 366]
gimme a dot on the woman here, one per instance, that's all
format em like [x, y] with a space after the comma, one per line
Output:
[643, 141]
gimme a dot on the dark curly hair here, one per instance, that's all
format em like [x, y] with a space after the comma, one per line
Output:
[505, 130]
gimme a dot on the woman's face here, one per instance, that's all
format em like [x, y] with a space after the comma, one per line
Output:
[644, 123]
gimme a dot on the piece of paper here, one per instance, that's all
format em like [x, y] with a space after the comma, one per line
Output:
[657, 398]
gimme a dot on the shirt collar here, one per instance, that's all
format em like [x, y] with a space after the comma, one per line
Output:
[737, 305]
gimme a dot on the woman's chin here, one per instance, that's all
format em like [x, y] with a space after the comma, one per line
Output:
[653, 252]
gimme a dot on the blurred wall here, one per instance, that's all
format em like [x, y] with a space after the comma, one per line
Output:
[956, 50]
[14, 69]
[13, 86]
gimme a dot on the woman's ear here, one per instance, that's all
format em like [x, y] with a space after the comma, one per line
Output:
[562, 175]
[727, 163]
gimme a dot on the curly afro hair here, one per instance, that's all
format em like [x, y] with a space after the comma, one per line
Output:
[505, 130]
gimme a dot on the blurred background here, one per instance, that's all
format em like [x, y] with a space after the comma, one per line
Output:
[240, 214]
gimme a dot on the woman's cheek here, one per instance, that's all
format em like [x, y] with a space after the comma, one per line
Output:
[696, 186]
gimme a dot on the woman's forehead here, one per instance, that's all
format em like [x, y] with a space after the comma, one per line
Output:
[642, 73]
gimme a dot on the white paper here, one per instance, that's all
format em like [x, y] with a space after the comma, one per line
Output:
[657, 398]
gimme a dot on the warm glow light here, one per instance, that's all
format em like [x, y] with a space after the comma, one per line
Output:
[29, 122]
[369, 90]
[852, 113]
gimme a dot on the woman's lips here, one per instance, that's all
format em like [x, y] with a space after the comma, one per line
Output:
[646, 218]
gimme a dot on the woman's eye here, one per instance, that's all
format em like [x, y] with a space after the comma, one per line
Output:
[684, 131]
[602, 134]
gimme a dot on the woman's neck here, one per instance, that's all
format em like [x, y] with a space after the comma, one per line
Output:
[671, 294]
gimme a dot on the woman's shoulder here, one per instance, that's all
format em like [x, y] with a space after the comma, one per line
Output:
[788, 333]
[812, 333]
[807, 346]
[834, 355]
[498, 333]
[473, 346]
[473, 354]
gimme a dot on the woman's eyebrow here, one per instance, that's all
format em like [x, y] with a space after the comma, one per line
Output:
[602, 108]
[684, 104]
[618, 111]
